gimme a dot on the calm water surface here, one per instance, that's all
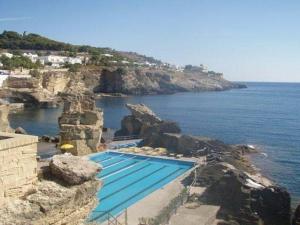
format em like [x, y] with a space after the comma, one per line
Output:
[264, 114]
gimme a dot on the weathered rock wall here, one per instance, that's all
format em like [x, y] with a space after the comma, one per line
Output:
[4, 123]
[65, 195]
[55, 82]
[81, 124]
[18, 166]
[52, 204]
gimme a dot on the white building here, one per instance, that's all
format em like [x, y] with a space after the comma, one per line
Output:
[53, 59]
[107, 55]
[204, 68]
[8, 55]
[73, 60]
[58, 61]
[32, 57]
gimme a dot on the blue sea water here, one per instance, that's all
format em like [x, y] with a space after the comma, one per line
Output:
[265, 114]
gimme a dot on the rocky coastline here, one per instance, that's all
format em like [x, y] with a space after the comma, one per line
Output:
[45, 88]
[230, 181]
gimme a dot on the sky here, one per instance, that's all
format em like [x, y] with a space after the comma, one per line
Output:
[248, 40]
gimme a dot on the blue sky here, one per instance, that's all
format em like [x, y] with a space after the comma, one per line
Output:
[248, 40]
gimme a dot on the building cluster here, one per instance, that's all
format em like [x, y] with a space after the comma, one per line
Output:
[53, 60]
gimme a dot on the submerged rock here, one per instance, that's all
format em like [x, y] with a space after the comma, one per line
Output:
[73, 169]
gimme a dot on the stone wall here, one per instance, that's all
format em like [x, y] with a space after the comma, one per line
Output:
[18, 165]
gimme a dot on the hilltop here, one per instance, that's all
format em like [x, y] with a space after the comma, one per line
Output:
[12, 40]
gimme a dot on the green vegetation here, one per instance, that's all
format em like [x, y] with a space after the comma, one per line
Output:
[18, 61]
[73, 68]
[15, 42]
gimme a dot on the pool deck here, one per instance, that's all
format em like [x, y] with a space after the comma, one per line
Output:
[151, 205]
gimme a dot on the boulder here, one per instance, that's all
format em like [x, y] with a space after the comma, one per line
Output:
[73, 169]
[246, 201]
[145, 123]
[52, 203]
[143, 113]
[20, 130]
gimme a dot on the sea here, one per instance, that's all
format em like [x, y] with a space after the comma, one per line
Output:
[266, 115]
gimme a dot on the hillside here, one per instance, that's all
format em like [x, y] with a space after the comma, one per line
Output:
[121, 72]
[14, 41]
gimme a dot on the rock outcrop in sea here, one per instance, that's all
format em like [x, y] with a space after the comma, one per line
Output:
[143, 122]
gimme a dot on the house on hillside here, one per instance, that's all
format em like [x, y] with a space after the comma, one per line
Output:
[32, 57]
[58, 61]
[8, 55]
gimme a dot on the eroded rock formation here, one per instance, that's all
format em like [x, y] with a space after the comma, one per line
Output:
[73, 169]
[56, 201]
[144, 122]
[81, 123]
[160, 81]
[245, 200]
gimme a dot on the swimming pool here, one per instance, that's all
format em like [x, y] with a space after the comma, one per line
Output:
[127, 178]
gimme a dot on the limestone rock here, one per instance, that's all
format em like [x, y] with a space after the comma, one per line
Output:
[4, 123]
[81, 123]
[143, 113]
[160, 81]
[52, 203]
[247, 204]
[73, 169]
[20, 130]
[144, 123]
[185, 144]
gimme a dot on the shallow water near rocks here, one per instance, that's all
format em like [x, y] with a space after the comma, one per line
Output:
[265, 115]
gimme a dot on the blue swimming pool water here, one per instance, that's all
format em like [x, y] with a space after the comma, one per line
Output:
[127, 178]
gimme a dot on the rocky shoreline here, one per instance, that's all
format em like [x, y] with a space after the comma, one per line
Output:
[45, 88]
[244, 195]
[229, 180]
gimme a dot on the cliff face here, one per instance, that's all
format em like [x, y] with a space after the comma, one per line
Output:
[157, 81]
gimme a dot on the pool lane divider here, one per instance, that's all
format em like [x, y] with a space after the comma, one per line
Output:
[128, 174]
[122, 169]
[133, 182]
[135, 194]
[116, 163]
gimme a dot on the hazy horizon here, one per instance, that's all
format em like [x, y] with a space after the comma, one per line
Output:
[247, 41]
